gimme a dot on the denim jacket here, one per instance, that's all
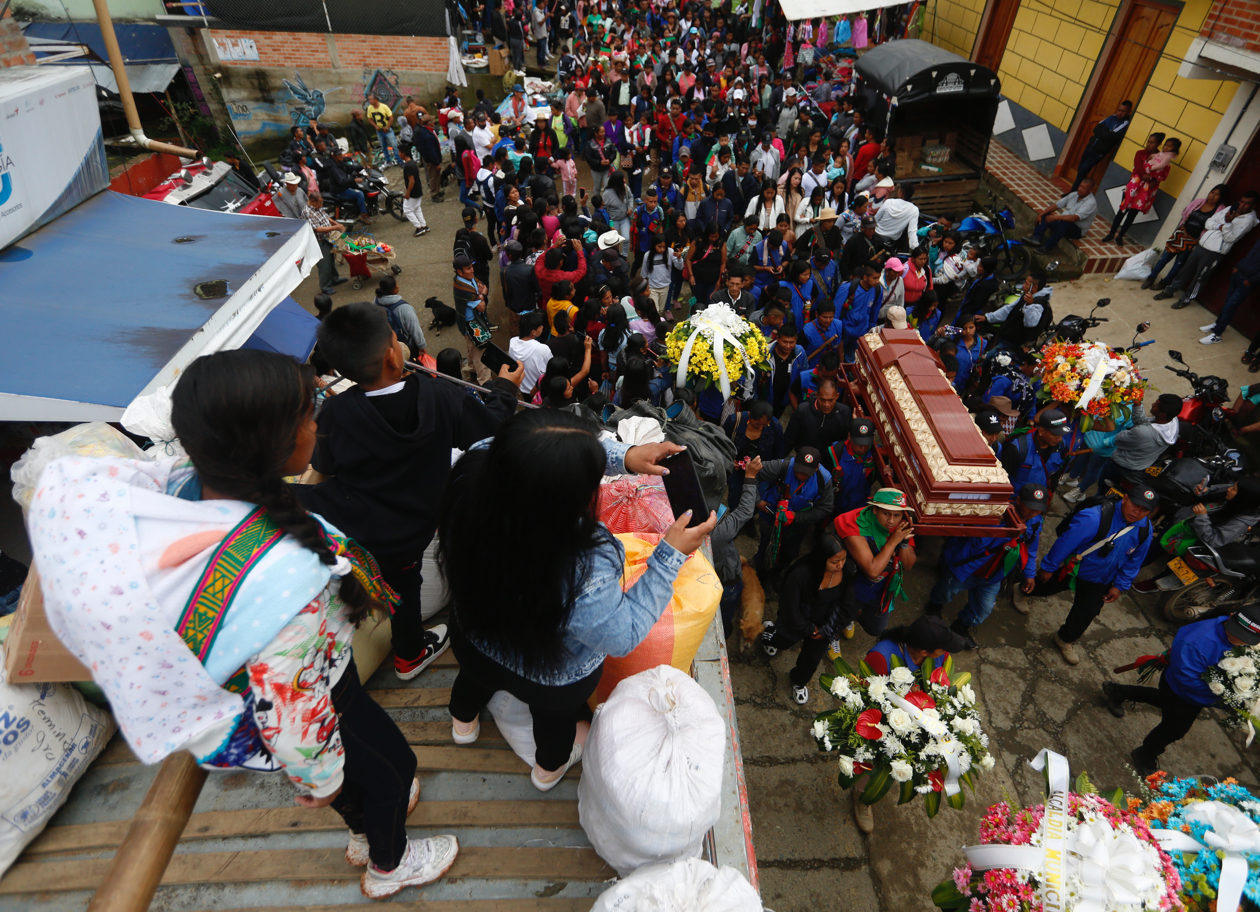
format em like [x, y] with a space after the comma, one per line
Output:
[604, 620]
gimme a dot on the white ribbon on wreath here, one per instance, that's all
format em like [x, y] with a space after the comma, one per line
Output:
[950, 748]
[1229, 831]
[717, 323]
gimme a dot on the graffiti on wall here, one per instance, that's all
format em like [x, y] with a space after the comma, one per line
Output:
[383, 84]
[307, 103]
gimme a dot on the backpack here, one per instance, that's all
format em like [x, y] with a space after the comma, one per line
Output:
[395, 322]
[1106, 516]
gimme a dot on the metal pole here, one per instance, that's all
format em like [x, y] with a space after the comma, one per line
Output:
[412, 365]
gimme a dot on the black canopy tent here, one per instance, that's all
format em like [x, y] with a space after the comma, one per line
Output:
[918, 95]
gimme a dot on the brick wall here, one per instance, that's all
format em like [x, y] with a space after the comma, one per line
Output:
[953, 25]
[1234, 22]
[14, 51]
[288, 50]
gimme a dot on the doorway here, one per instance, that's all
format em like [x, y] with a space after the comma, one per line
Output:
[1245, 176]
[995, 33]
[1128, 60]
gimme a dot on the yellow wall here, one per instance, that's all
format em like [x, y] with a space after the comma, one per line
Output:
[1189, 109]
[953, 24]
[1051, 55]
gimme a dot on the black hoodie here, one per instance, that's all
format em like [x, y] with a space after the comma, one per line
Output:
[386, 485]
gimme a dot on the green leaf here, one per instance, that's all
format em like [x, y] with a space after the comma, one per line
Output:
[895, 661]
[1117, 798]
[865, 670]
[1084, 786]
[947, 898]
[846, 782]
[878, 785]
[963, 678]
[1087, 422]
[907, 792]
[824, 681]
[957, 801]
[842, 667]
[932, 803]
[949, 667]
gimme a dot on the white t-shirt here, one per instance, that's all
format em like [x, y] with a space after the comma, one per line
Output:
[894, 217]
[483, 141]
[534, 355]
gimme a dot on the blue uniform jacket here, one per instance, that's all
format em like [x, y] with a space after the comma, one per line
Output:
[1115, 569]
[968, 358]
[801, 296]
[1195, 647]
[815, 336]
[860, 315]
[1033, 468]
[765, 385]
[830, 275]
[964, 555]
[853, 480]
[801, 496]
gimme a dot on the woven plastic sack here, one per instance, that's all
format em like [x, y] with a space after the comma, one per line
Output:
[690, 885]
[516, 724]
[651, 785]
[635, 503]
[1138, 267]
[93, 439]
[675, 638]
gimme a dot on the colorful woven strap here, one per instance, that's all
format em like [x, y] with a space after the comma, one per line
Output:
[236, 555]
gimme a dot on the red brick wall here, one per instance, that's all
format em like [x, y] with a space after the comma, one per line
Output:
[306, 49]
[1235, 23]
[14, 51]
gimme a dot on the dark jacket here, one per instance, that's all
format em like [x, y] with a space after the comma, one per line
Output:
[803, 606]
[427, 142]
[593, 152]
[357, 134]
[713, 210]
[740, 190]
[856, 253]
[384, 486]
[810, 427]
[535, 140]
[520, 287]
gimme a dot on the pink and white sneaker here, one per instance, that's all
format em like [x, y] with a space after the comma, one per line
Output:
[424, 862]
[357, 848]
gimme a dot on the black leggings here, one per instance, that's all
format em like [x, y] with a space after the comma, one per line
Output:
[812, 652]
[1123, 221]
[556, 709]
[1178, 715]
[1087, 603]
[379, 769]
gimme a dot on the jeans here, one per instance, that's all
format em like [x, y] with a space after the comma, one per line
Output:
[1055, 232]
[850, 349]
[542, 51]
[415, 215]
[556, 709]
[354, 195]
[981, 596]
[327, 266]
[518, 61]
[1122, 222]
[599, 180]
[1199, 266]
[873, 620]
[635, 179]
[811, 654]
[464, 189]
[702, 292]
[379, 769]
[1085, 606]
[1089, 161]
[1177, 715]
[623, 229]
[790, 539]
[731, 593]
[389, 146]
[1180, 260]
[403, 575]
[675, 287]
[1239, 290]
[1092, 470]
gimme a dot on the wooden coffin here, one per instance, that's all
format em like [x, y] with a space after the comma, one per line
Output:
[949, 472]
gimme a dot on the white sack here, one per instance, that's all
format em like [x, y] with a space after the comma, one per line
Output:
[516, 724]
[96, 438]
[690, 885]
[651, 782]
[1138, 267]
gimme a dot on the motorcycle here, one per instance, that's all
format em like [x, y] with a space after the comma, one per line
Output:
[380, 196]
[1073, 328]
[1209, 582]
[1206, 406]
[988, 231]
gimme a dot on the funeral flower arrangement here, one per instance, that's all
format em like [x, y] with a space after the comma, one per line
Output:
[1211, 832]
[919, 732]
[1077, 852]
[1233, 679]
[716, 345]
[1099, 380]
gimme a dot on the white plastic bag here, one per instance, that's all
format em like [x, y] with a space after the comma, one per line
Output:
[651, 782]
[1138, 267]
[690, 885]
[150, 416]
[515, 723]
[48, 736]
[93, 439]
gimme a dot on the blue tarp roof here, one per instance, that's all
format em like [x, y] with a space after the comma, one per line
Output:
[289, 329]
[139, 43]
[96, 303]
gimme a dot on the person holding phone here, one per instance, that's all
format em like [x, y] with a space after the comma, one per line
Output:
[793, 494]
[880, 537]
[541, 625]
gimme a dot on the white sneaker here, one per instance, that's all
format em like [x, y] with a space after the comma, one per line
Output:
[1206, 328]
[1210, 340]
[1076, 495]
[424, 862]
[468, 735]
[766, 633]
[800, 694]
[553, 778]
[357, 848]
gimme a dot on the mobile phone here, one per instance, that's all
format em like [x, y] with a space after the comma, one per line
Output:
[494, 357]
[682, 487]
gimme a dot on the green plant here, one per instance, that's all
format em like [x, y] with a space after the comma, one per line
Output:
[201, 131]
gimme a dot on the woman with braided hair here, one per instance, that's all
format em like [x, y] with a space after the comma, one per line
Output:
[217, 614]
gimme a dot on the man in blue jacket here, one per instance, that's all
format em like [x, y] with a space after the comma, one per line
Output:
[787, 361]
[1038, 457]
[979, 565]
[1103, 546]
[857, 307]
[1182, 692]
[793, 495]
[855, 466]
[823, 332]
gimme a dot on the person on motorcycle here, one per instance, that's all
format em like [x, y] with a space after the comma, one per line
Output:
[1021, 320]
[979, 565]
[1011, 376]
[1141, 446]
[1039, 455]
[345, 182]
[981, 290]
[1102, 549]
[1183, 693]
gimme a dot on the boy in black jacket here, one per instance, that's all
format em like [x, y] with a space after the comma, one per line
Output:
[385, 451]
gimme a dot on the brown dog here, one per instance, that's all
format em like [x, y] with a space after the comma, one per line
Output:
[753, 604]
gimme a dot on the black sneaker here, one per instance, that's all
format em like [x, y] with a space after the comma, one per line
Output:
[340, 280]
[436, 642]
[420, 232]
[933, 610]
[1144, 766]
[1115, 705]
[767, 634]
[964, 631]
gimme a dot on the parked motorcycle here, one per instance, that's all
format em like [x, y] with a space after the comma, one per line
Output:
[1208, 404]
[989, 230]
[1073, 328]
[1209, 582]
[380, 197]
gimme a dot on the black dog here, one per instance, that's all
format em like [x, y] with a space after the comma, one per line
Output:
[442, 315]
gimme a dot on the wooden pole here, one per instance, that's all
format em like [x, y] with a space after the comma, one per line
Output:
[141, 860]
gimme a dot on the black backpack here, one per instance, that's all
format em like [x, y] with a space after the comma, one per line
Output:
[1105, 518]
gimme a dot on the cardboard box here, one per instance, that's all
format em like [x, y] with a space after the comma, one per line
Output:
[905, 165]
[912, 146]
[32, 652]
[498, 61]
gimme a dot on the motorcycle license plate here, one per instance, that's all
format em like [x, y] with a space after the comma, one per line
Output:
[1154, 470]
[1183, 571]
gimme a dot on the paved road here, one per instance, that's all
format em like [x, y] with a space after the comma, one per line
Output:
[811, 855]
